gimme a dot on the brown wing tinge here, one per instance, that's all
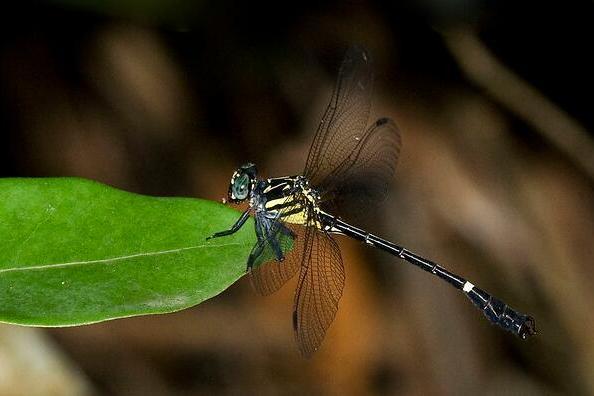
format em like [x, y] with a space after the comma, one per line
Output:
[272, 275]
[345, 117]
[321, 283]
[364, 177]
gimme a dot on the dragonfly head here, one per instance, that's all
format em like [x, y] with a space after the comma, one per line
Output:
[242, 183]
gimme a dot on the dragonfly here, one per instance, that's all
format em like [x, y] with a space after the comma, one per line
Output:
[349, 169]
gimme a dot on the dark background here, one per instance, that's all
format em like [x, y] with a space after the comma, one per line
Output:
[495, 182]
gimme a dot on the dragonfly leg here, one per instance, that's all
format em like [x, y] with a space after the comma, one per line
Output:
[253, 256]
[238, 224]
[278, 252]
[272, 237]
[287, 231]
[267, 237]
[259, 248]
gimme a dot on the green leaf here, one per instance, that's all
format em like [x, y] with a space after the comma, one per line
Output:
[73, 251]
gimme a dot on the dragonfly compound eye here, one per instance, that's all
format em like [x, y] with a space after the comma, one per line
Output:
[240, 187]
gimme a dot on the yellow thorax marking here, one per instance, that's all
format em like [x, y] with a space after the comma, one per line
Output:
[295, 202]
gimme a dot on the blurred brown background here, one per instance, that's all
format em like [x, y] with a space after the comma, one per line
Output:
[495, 182]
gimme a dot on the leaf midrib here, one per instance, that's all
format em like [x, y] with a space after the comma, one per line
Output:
[114, 259]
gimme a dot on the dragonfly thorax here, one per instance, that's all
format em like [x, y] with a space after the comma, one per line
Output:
[311, 194]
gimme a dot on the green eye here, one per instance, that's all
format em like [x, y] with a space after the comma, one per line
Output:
[240, 187]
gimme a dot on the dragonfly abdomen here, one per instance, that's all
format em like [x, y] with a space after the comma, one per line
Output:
[502, 315]
[495, 310]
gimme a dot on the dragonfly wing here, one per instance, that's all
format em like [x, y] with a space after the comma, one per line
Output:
[345, 117]
[271, 275]
[268, 274]
[320, 287]
[364, 176]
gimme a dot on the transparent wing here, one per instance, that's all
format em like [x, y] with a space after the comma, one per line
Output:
[268, 274]
[321, 283]
[271, 275]
[345, 118]
[364, 176]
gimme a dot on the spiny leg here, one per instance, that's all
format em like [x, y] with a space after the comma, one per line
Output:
[259, 247]
[276, 244]
[256, 252]
[287, 231]
[267, 232]
[276, 248]
[236, 227]
[273, 229]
